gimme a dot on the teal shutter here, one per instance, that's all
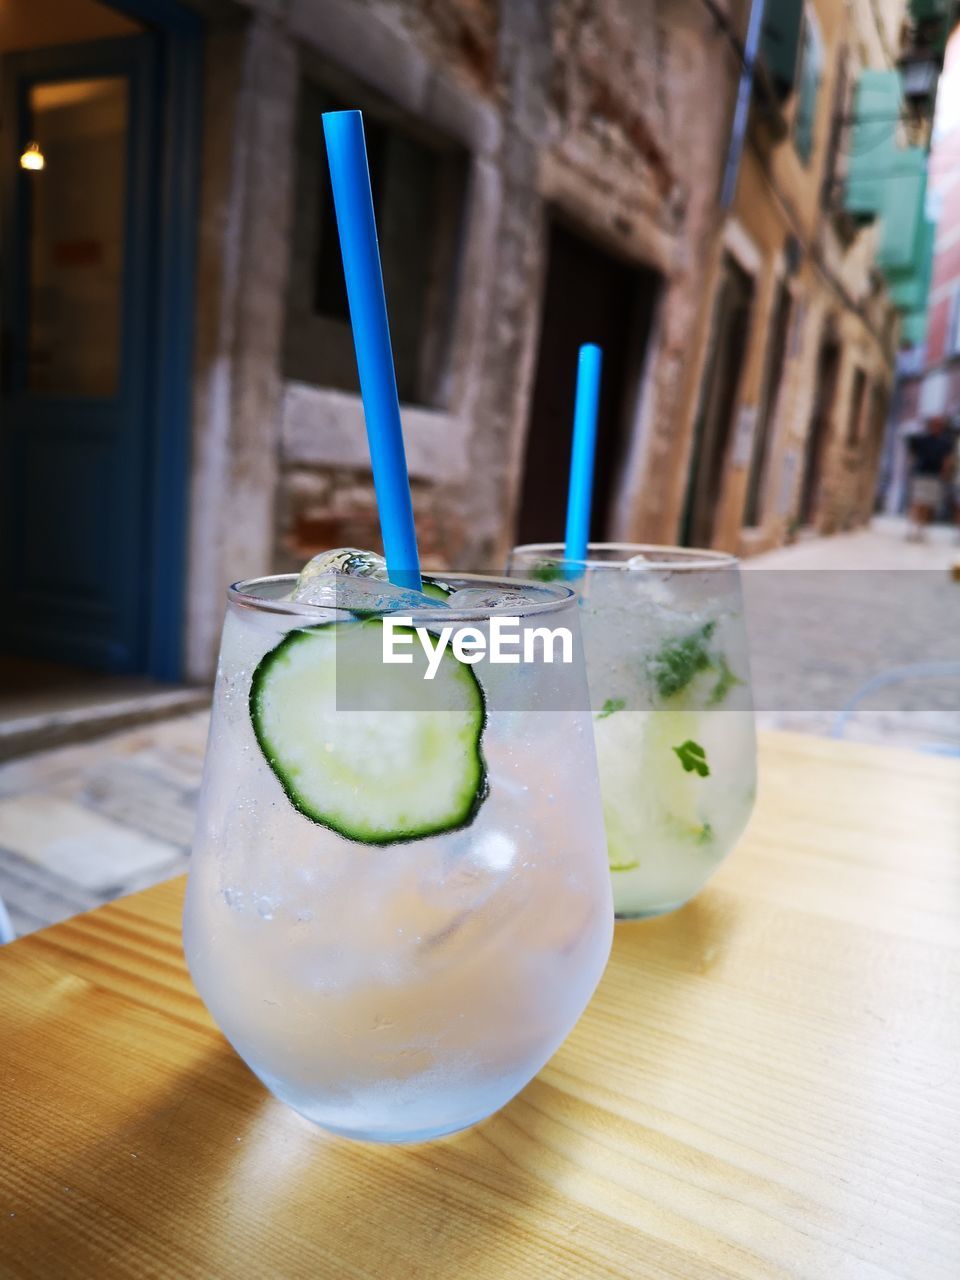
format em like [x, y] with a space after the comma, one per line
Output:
[874, 153]
[780, 41]
[913, 329]
[811, 73]
[904, 221]
[909, 286]
[925, 10]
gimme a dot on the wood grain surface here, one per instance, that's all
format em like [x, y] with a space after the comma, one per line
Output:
[767, 1084]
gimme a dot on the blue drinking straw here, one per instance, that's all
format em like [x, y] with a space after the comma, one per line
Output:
[353, 202]
[580, 493]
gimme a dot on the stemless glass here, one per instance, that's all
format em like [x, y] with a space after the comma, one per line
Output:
[666, 647]
[400, 990]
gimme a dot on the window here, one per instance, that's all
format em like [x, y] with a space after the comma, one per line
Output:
[774, 362]
[808, 86]
[779, 43]
[419, 185]
[953, 324]
[838, 146]
[856, 407]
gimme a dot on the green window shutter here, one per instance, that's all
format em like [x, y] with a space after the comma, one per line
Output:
[909, 284]
[913, 329]
[904, 222]
[874, 153]
[924, 10]
[811, 74]
[780, 41]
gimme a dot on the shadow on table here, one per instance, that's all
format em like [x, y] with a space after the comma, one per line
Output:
[215, 1177]
[209, 1175]
[691, 940]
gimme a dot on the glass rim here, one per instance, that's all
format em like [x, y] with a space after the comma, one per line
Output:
[687, 559]
[561, 598]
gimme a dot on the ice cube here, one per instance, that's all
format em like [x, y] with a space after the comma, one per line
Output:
[493, 599]
[348, 560]
[362, 595]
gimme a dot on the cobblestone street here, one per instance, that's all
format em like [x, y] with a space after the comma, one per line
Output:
[829, 615]
[82, 824]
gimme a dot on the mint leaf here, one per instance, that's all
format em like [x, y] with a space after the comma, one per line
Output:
[693, 758]
[546, 571]
[725, 683]
[610, 706]
[679, 661]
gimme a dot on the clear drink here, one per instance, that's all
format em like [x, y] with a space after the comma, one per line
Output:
[667, 664]
[395, 989]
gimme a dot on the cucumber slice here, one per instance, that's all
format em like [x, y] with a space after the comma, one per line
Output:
[398, 759]
[435, 589]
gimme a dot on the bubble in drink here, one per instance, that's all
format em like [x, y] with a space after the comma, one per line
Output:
[362, 595]
[484, 598]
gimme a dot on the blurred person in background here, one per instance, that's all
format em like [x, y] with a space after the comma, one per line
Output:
[931, 458]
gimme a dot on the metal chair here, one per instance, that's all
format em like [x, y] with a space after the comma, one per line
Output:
[898, 675]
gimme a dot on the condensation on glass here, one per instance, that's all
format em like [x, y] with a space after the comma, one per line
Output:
[76, 225]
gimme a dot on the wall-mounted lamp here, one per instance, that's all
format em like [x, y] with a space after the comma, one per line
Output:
[32, 158]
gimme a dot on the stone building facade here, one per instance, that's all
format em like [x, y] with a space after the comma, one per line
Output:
[587, 116]
[804, 428]
[546, 172]
[929, 381]
[609, 119]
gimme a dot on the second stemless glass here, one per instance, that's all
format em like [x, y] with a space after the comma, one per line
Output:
[666, 650]
[401, 989]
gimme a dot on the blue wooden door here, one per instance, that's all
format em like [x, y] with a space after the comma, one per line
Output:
[79, 320]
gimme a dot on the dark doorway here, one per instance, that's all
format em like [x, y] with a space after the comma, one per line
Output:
[718, 399]
[876, 426]
[98, 176]
[856, 408]
[828, 368]
[590, 296]
[766, 416]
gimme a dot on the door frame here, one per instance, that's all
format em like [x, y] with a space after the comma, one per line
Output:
[168, 469]
[709, 419]
[644, 284]
[134, 58]
[170, 274]
[820, 426]
[776, 357]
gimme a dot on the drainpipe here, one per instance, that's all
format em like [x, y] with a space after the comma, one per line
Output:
[744, 89]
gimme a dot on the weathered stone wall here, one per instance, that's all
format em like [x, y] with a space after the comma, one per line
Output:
[780, 201]
[242, 266]
[614, 112]
[598, 110]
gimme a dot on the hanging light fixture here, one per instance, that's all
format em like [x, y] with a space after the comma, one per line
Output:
[32, 158]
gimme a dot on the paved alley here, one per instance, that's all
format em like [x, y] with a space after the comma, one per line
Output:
[864, 613]
[82, 824]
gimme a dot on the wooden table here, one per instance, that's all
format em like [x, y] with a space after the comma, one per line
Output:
[766, 1084]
